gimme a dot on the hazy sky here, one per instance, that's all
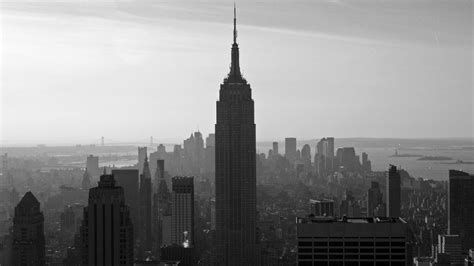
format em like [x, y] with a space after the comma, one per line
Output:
[72, 71]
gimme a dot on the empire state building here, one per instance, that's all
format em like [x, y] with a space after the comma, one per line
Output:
[235, 169]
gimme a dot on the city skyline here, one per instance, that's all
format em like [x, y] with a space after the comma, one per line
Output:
[151, 51]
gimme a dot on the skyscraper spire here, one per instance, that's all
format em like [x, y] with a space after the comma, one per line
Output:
[235, 25]
[235, 74]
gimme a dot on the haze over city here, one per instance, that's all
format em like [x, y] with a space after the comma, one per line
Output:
[128, 70]
[257, 133]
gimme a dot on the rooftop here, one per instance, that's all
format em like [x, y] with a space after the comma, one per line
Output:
[350, 220]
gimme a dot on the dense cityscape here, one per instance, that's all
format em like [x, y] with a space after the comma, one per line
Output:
[217, 200]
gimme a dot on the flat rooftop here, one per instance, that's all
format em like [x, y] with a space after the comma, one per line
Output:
[349, 220]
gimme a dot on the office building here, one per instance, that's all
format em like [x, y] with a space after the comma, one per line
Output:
[86, 181]
[236, 198]
[346, 159]
[275, 148]
[324, 207]
[92, 166]
[324, 156]
[451, 244]
[374, 198]
[142, 154]
[393, 192]
[461, 207]
[162, 209]
[182, 211]
[353, 241]
[128, 180]
[106, 230]
[144, 228]
[28, 244]
[290, 150]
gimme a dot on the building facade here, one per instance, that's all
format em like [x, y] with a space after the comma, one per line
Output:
[182, 211]
[353, 242]
[107, 230]
[393, 192]
[28, 244]
[235, 169]
[461, 207]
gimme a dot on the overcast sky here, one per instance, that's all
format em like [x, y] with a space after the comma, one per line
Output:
[73, 71]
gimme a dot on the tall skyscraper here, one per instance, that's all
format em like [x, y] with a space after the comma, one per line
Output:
[461, 207]
[92, 166]
[144, 229]
[28, 246]
[142, 154]
[290, 149]
[162, 209]
[275, 148]
[393, 192]
[235, 169]
[106, 230]
[324, 157]
[182, 214]
[374, 198]
[128, 180]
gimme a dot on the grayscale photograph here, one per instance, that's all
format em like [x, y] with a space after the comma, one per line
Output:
[236, 133]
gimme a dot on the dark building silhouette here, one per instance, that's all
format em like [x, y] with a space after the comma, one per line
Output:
[461, 207]
[162, 209]
[106, 230]
[393, 192]
[128, 180]
[374, 198]
[235, 169]
[346, 159]
[144, 228]
[28, 245]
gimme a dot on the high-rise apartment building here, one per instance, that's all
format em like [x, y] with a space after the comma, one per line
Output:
[461, 207]
[236, 213]
[106, 230]
[28, 244]
[182, 211]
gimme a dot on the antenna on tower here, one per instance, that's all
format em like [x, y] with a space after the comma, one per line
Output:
[102, 141]
[151, 140]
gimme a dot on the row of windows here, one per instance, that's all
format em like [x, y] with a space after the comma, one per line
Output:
[351, 250]
[350, 244]
[351, 263]
[351, 257]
